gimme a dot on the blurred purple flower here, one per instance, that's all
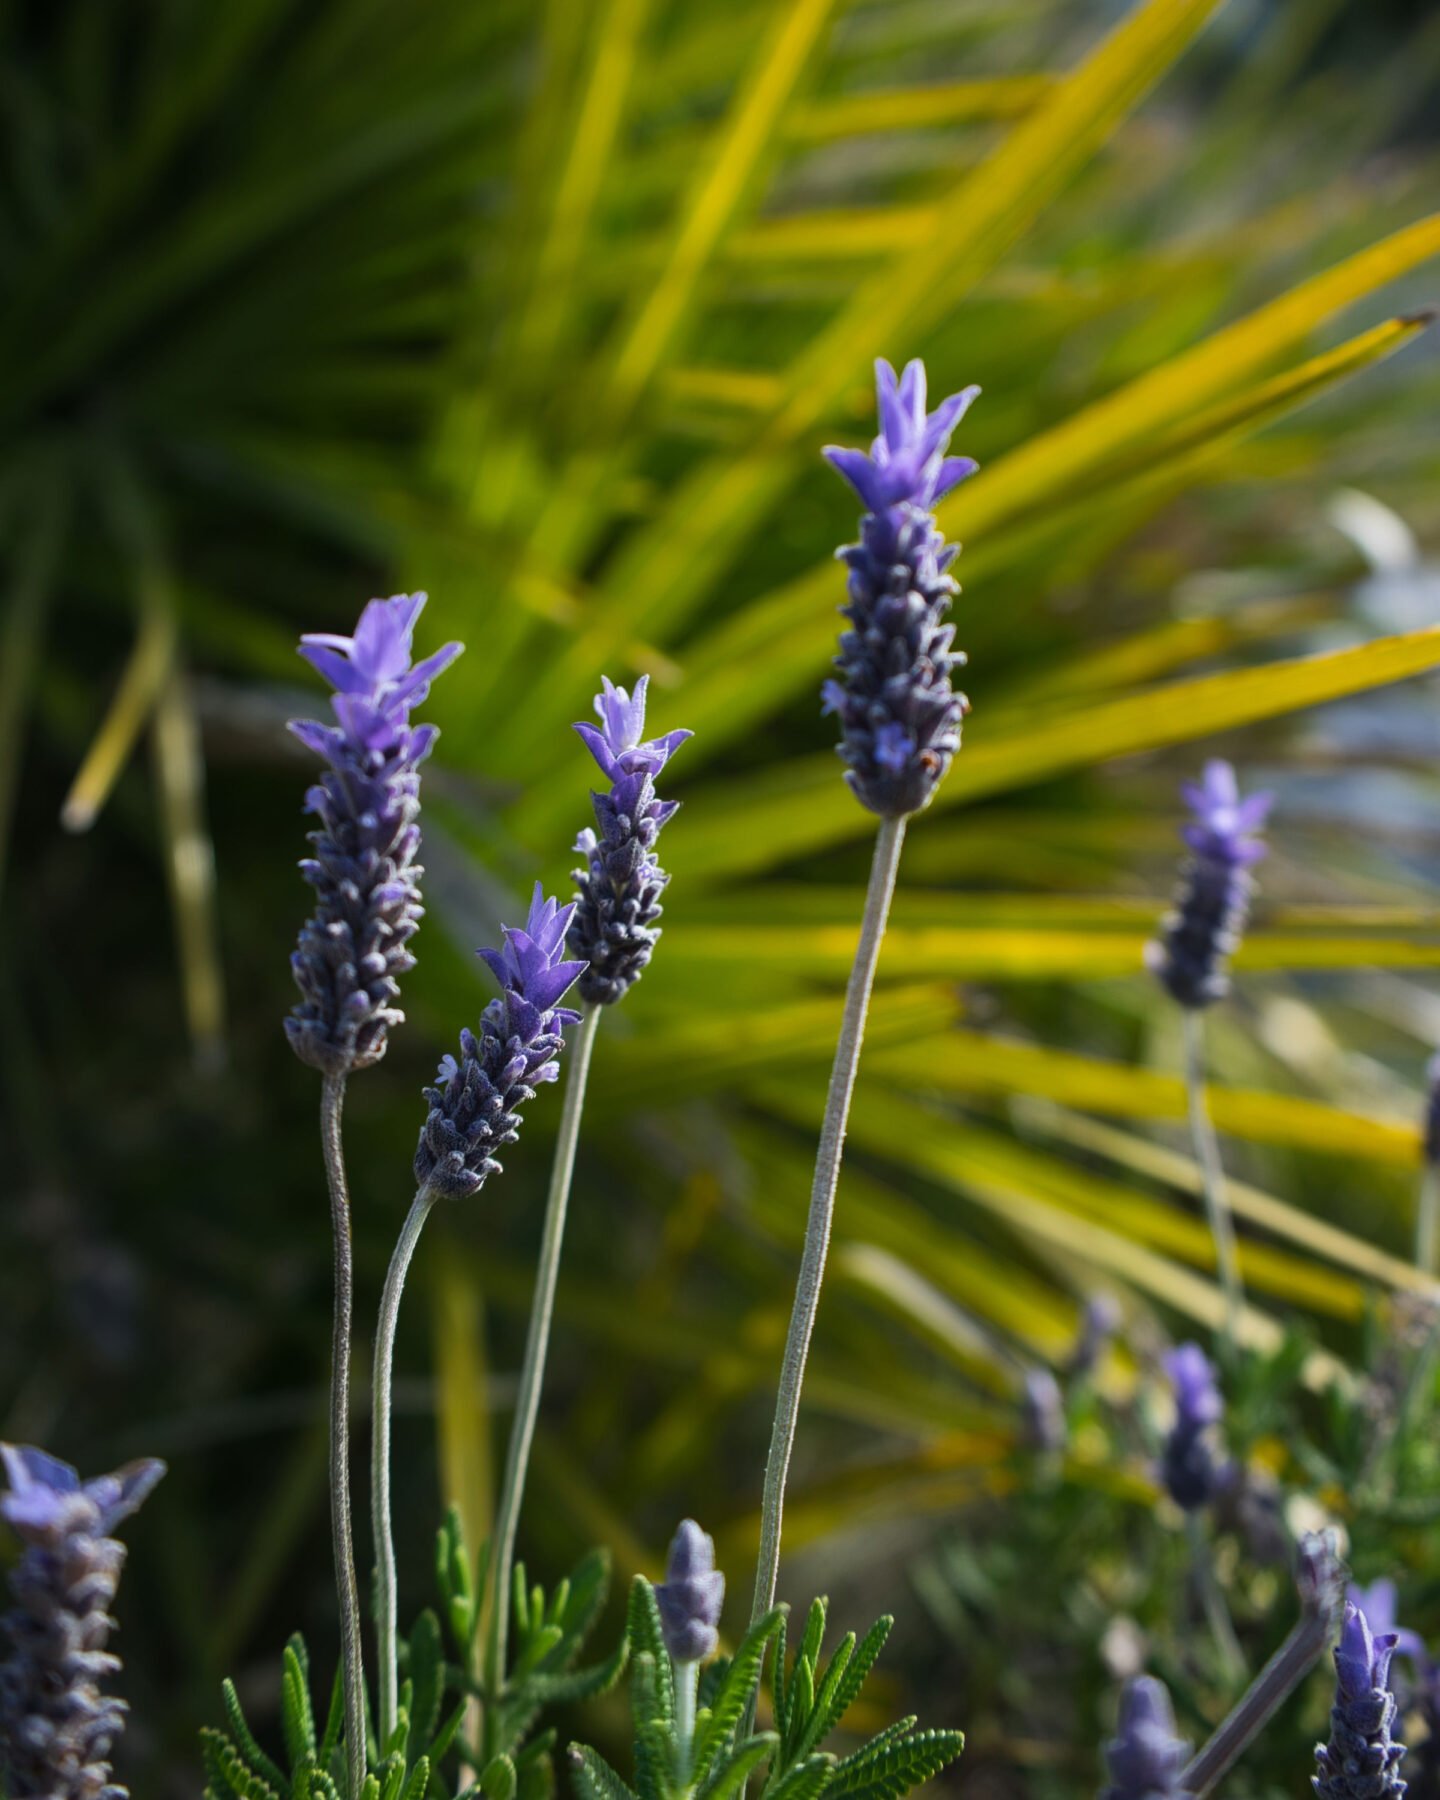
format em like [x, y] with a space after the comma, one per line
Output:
[1379, 1603]
[1432, 1112]
[1145, 1757]
[1042, 1411]
[1190, 1466]
[691, 1596]
[1361, 1760]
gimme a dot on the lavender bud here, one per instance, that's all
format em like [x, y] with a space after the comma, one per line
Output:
[1043, 1413]
[355, 946]
[619, 888]
[475, 1103]
[1190, 1466]
[899, 715]
[1144, 1758]
[1361, 1760]
[1432, 1113]
[1213, 898]
[691, 1596]
[57, 1725]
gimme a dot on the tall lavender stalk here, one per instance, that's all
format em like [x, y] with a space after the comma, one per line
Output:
[612, 934]
[351, 953]
[1189, 958]
[900, 728]
[474, 1111]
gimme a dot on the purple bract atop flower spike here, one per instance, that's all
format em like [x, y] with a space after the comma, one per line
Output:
[1213, 899]
[899, 715]
[1380, 1604]
[355, 947]
[1190, 1466]
[691, 1596]
[475, 1102]
[618, 891]
[1361, 1760]
[1145, 1758]
[57, 1725]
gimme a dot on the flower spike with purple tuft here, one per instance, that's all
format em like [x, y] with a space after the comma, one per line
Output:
[691, 1596]
[1145, 1758]
[1362, 1759]
[1213, 899]
[618, 891]
[355, 947]
[475, 1102]
[57, 1725]
[899, 714]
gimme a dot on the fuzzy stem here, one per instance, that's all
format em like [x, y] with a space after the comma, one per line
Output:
[537, 1342]
[381, 1519]
[1427, 1220]
[888, 842]
[332, 1100]
[1212, 1176]
[687, 1685]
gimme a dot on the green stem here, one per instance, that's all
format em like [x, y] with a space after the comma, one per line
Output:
[1217, 1613]
[332, 1100]
[1427, 1220]
[537, 1342]
[687, 1687]
[888, 842]
[1212, 1179]
[381, 1518]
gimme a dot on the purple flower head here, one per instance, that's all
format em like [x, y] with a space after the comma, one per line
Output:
[476, 1099]
[1042, 1412]
[907, 463]
[1190, 1466]
[691, 1596]
[1212, 901]
[618, 890]
[1432, 1113]
[1145, 1758]
[355, 946]
[1378, 1604]
[1361, 1760]
[57, 1724]
[899, 713]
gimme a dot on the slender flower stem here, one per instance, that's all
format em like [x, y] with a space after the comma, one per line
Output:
[687, 1685]
[1427, 1220]
[888, 842]
[1212, 1599]
[537, 1342]
[381, 1519]
[332, 1100]
[1212, 1176]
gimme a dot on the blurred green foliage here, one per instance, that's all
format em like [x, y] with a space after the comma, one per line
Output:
[547, 309]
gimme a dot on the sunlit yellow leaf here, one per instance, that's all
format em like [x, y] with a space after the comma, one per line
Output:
[909, 108]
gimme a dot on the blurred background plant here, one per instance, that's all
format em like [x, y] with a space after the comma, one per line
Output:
[548, 310]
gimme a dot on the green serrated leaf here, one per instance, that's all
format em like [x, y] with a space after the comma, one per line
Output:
[715, 1727]
[594, 1778]
[497, 1778]
[847, 1689]
[885, 1771]
[371, 1789]
[537, 1777]
[559, 1600]
[729, 1776]
[225, 1766]
[804, 1780]
[296, 1717]
[646, 1638]
[245, 1741]
[589, 1588]
[537, 1648]
[814, 1637]
[779, 1688]
[419, 1780]
[802, 1701]
[579, 1684]
[427, 1676]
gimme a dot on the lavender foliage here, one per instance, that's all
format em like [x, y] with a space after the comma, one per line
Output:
[691, 1596]
[58, 1726]
[1362, 1759]
[1145, 1757]
[355, 946]
[899, 714]
[1212, 901]
[618, 890]
[1191, 1466]
[476, 1100]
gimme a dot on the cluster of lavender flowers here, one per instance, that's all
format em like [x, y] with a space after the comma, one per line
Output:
[58, 1724]
[1362, 1759]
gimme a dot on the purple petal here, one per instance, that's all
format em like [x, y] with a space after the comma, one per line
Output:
[860, 472]
[28, 1467]
[337, 670]
[912, 394]
[952, 472]
[892, 405]
[599, 748]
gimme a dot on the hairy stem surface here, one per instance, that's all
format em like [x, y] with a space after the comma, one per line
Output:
[332, 1100]
[888, 842]
[537, 1343]
[1212, 1178]
[381, 1519]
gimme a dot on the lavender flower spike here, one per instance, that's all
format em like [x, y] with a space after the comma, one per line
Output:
[619, 889]
[475, 1103]
[57, 1725]
[1145, 1757]
[1213, 898]
[1361, 1760]
[367, 894]
[691, 1596]
[899, 715]
[1190, 1466]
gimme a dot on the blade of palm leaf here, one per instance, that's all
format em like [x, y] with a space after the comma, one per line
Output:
[911, 108]
[918, 1304]
[1293, 1223]
[31, 589]
[190, 867]
[801, 806]
[656, 581]
[462, 1403]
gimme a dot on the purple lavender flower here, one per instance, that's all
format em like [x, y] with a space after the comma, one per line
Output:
[691, 1596]
[1361, 1760]
[475, 1103]
[899, 715]
[1145, 1758]
[1042, 1412]
[366, 880]
[614, 931]
[57, 1725]
[1380, 1604]
[1213, 898]
[1432, 1113]
[1190, 1465]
